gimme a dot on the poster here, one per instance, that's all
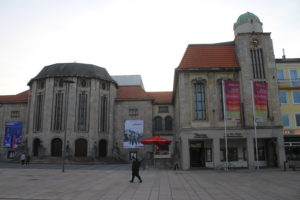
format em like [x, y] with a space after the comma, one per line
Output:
[133, 133]
[13, 134]
[260, 91]
[232, 100]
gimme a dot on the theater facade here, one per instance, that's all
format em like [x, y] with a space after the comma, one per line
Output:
[82, 112]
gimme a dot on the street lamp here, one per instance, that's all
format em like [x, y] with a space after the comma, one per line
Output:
[67, 82]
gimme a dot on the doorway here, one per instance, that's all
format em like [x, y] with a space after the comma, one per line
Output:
[81, 148]
[197, 154]
[102, 148]
[36, 146]
[56, 147]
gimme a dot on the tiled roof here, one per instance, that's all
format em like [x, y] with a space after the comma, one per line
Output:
[132, 92]
[161, 97]
[209, 56]
[21, 97]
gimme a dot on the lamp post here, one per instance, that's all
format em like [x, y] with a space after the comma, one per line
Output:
[67, 82]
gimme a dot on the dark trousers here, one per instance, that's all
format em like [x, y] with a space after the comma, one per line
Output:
[134, 174]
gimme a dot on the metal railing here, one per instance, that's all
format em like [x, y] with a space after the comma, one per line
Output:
[288, 83]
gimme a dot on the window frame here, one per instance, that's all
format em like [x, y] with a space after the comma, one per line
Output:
[281, 70]
[289, 119]
[296, 125]
[286, 97]
[200, 109]
[294, 98]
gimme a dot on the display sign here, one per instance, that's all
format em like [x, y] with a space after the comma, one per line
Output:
[260, 91]
[13, 134]
[133, 133]
[232, 100]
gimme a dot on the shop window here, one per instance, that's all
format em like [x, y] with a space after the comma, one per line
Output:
[232, 154]
[261, 153]
[208, 156]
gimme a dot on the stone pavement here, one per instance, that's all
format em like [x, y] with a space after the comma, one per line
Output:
[110, 182]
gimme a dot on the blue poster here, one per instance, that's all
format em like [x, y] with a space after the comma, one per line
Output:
[13, 134]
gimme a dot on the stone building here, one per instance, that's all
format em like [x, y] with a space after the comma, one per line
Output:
[96, 115]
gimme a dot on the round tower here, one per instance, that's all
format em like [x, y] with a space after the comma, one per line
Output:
[247, 23]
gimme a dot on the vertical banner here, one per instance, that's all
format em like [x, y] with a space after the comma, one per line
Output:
[13, 134]
[260, 92]
[133, 133]
[232, 100]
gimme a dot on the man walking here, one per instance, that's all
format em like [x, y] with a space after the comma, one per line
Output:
[135, 169]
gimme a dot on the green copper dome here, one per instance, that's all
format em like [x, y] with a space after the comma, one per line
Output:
[244, 17]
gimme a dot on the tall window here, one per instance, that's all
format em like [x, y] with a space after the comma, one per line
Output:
[157, 123]
[285, 118]
[103, 114]
[58, 112]
[283, 97]
[38, 113]
[296, 96]
[199, 101]
[297, 119]
[294, 77]
[280, 74]
[82, 112]
[257, 63]
[168, 123]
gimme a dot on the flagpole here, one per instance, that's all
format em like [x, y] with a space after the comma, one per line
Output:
[225, 125]
[254, 123]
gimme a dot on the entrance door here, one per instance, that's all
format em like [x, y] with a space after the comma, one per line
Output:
[80, 148]
[197, 154]
[102, 148]
[36, 146]
[56, 147]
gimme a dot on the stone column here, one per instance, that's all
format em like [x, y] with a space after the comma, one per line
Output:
[185, 153]
[280, 151]
[250, 152]
[216, 152]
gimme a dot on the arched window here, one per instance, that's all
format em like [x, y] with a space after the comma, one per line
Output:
[199, 100]
[157, 123]
[168, 123]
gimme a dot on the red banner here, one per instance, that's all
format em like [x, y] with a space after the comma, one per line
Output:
[232, 100]
[260, 91]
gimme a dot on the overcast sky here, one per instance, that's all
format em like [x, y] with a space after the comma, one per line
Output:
[145, 37]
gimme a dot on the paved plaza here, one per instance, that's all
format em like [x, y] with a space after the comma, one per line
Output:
[110, 182]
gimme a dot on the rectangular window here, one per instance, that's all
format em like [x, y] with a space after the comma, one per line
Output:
[294, 77]
[38, 113]
[285, 118]
[82, 112]
[280, 75]
[163, 109]
[199, 101]
[133, 112]
[283, 97]
[15, 114]
[257, 63]
[58, 112]
[103, 114]
[296, 97]
[297, 119]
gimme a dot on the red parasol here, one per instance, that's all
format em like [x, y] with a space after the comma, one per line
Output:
[156, 140]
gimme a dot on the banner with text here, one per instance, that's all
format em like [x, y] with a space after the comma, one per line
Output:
[133, 133]
[232, 100]
[13, 134]
[260, 91]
